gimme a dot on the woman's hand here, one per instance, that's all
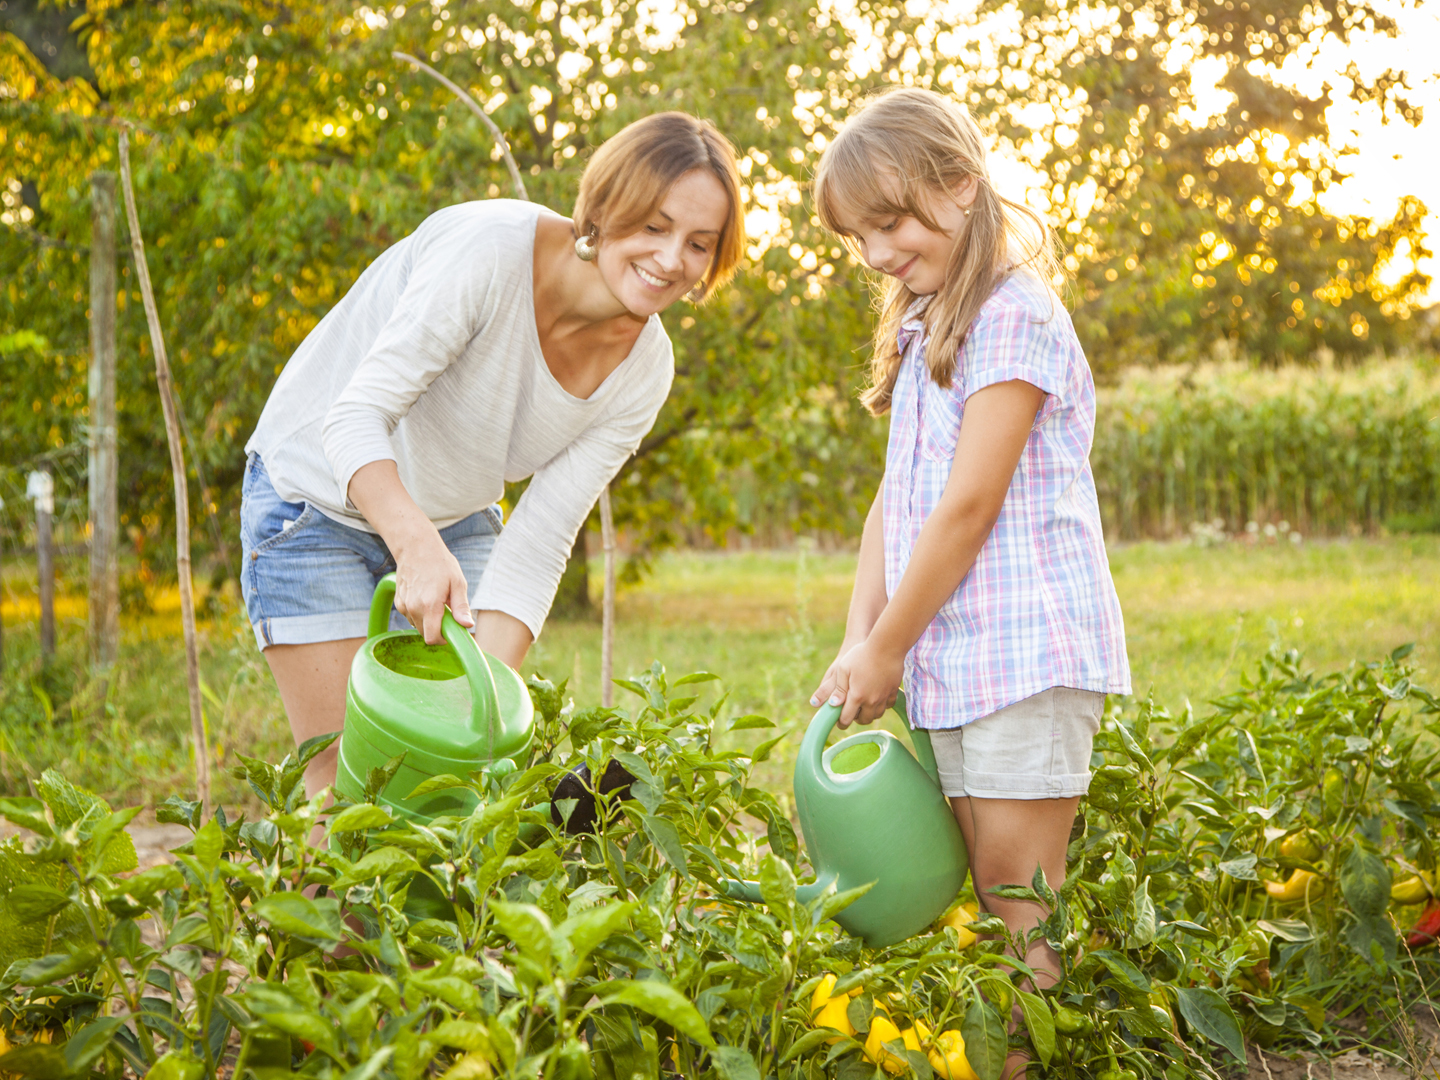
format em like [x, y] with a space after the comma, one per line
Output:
[864, 680]
[428, 579]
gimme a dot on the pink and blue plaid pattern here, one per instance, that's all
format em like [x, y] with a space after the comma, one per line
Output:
[1038, 609]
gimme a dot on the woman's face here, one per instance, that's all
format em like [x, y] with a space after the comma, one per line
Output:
[649, 270]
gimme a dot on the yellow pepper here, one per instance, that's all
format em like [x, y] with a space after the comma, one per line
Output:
[882, 1031]
[1298, 886]
[960, 919]
[1413, 890]
[947, 1057]
[832, 1012]
[1302, 845]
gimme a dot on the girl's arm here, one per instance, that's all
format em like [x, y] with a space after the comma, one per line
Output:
[428, 579]
[867, 598]
[997, 424]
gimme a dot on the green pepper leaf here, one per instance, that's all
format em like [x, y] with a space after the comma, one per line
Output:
[667, 841]
[298, 915]
[735, 1063]
[662, 1002]
[1210, 1014]
[807, 1042]
[361, 817]
[32, 902]
[985, 1042]
[1040, 1023]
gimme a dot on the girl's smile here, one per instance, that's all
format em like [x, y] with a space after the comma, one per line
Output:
[904, 247]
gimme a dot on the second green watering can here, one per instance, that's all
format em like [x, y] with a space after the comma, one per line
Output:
[872, 812]
[448, 708]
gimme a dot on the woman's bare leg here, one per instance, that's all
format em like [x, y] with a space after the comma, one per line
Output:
[312, 682]
[1007, 840]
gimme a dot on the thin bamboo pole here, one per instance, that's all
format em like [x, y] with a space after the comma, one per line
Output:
[182, 494]
[474, 106]
[607, 522]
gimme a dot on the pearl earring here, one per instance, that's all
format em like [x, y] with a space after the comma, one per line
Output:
[587, 246]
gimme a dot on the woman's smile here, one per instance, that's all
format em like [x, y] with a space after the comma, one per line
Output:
[657, 283]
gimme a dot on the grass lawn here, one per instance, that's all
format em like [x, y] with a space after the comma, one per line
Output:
[768, 622]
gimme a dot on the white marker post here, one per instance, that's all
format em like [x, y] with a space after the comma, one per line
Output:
[40, 489]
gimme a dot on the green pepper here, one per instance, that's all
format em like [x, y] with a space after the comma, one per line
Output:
[1070, 1021]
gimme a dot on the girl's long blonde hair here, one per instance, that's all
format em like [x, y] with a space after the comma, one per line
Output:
[892, 158]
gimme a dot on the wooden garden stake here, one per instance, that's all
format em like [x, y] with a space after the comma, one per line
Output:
[104, 504]
[40, 489]
[607, 625]
[182, 495]
[607, 523]
[2, 588]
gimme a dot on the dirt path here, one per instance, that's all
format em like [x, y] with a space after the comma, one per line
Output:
[1423, 1063]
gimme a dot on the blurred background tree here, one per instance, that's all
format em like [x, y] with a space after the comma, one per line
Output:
[280, 147]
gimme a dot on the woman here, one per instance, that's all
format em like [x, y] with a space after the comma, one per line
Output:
[498, 341]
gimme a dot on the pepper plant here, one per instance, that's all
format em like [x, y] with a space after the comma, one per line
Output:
[505, 943]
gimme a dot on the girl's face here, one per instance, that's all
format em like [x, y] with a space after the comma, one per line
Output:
[904, 247]
[649, 270]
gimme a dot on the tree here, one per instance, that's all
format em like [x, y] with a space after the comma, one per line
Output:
[1186, 231]
[280, 147]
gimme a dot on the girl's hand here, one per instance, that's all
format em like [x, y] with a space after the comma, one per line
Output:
[864, 681]
[428, 579]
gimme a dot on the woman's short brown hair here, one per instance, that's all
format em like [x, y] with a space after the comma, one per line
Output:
[631, 173]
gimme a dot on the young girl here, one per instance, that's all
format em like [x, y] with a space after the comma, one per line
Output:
[983, 583]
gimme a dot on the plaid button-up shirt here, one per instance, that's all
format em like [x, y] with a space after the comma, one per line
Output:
[1038, 608]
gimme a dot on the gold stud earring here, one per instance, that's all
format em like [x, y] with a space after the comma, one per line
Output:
[587, 246]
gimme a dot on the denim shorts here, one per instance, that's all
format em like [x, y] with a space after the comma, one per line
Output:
[1037, 748]
[308, 578]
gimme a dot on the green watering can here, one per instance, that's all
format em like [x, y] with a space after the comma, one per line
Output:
[448, 708]
[871, 812]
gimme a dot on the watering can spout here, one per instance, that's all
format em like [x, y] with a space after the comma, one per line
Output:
[749, 891]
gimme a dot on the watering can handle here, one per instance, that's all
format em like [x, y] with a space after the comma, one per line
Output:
[829, 715]
[484, 707]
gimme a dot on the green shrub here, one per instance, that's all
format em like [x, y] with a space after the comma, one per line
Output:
[1326, 451]
[497, 945]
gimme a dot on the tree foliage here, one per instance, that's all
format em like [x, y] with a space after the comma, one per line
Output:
[281, 146]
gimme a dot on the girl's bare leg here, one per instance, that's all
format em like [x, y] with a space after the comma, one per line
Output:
[312, 682]
[1007, 839]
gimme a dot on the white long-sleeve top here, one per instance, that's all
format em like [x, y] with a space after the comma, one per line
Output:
[432, 360]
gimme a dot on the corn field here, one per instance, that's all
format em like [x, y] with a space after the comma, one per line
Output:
[1222, 445]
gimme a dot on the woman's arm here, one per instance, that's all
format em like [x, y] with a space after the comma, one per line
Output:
[997, 424]
[867, 598]
[428, 579]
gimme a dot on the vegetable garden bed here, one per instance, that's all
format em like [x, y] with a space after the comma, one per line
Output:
[611, 955]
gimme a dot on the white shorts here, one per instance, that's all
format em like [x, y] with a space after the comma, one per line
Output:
[1037, 748]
